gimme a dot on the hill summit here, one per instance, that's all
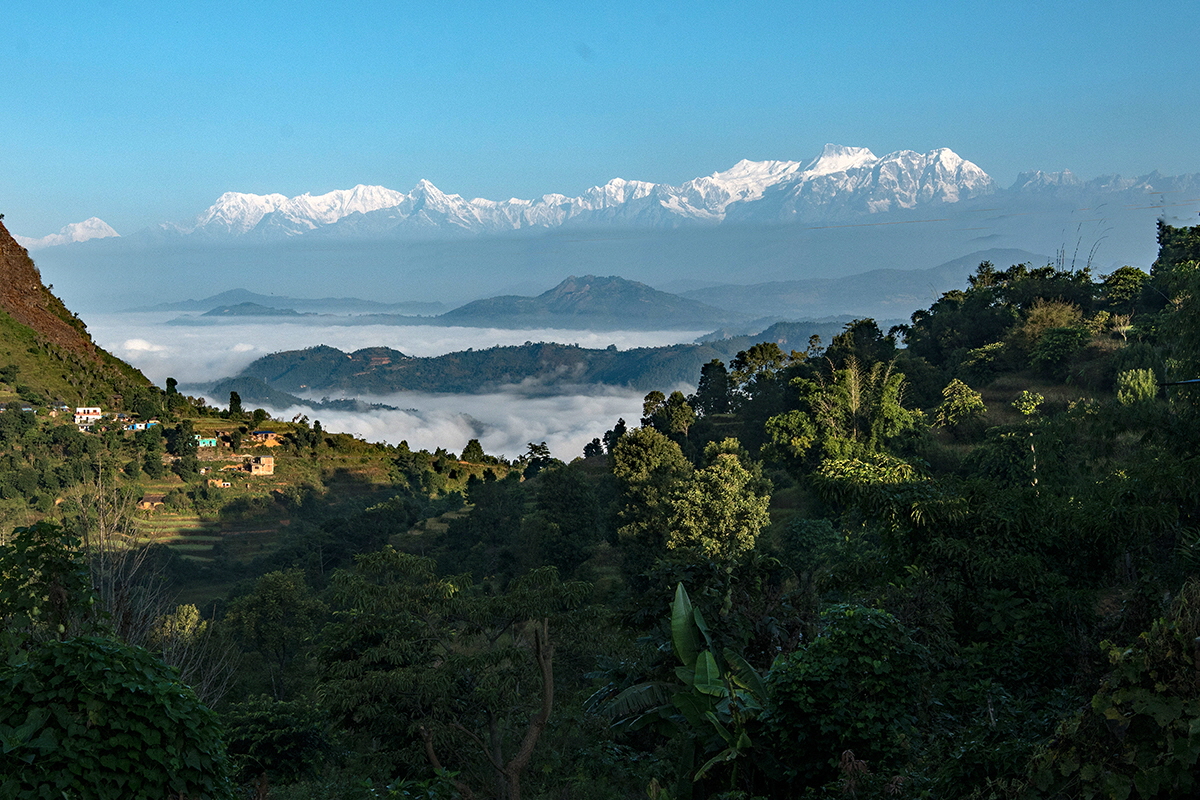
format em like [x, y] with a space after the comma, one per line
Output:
[55, 356]
[595, 302]
[26, 299]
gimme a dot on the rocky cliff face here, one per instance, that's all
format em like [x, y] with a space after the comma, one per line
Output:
[27, 300]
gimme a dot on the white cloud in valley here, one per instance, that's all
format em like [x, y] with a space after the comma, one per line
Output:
[504, 422]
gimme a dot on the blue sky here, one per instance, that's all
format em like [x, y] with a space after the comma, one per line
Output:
[144, 112]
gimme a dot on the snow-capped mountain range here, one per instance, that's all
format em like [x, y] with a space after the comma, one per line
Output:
[839, 181]
[842, 183]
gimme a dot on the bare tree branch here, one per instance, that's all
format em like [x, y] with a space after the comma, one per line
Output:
[427, 737]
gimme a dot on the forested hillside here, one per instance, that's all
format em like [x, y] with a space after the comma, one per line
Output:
[954, 559]
[382, 370]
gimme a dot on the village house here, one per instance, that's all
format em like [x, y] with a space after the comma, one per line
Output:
[88, 415]
[150, 502]
[266, 438]
[261, 465]
[255, 465]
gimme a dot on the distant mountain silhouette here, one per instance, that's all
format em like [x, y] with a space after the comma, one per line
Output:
[592, 302]
[254, 392]
[327, 305]
[541, 367]
[253, 310]
[881, 293]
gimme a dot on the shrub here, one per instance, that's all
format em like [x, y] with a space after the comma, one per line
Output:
[960, 403]
[1057, 345]
[856, 686]
[1136, 385]
[91, 717]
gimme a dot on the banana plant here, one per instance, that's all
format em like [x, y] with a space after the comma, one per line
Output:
[712, 702]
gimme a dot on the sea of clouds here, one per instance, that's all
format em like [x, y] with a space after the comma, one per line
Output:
[504, 422]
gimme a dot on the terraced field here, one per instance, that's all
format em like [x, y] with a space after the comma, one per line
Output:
[194, 538]
[189, 535]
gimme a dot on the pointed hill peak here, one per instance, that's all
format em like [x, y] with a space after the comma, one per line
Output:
[425, 186]
[590, 301]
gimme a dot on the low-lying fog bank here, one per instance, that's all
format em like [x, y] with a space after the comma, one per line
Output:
[504, 423]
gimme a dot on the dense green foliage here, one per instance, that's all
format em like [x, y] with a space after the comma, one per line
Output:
[428, 668]
[860, 685]
[91, 717]
[1140, 735]
[82, 714]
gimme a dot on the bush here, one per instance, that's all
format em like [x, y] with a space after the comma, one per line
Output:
[91, 717]
[287, 741]
[1135, 386]
[961, 405]
[1057, 345]
[1141, 732]
[856, 686]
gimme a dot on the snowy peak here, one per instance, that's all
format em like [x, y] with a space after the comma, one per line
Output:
[948, 178]
[424, 188]
[752, 173]
[616, 192]
[1035, 180]
[845, 179]
[425, 207]
[744, 182]
[845, 182]
[236, 213]
[1153, 188]
[898, 180]
[838, 158]
[333, 206]
[91, 228]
